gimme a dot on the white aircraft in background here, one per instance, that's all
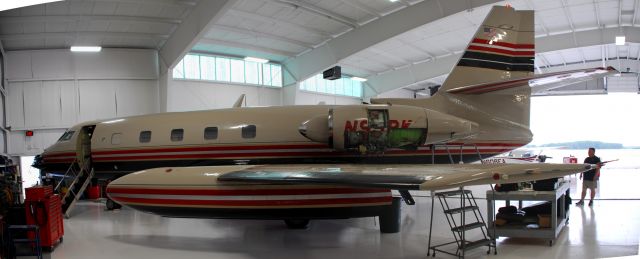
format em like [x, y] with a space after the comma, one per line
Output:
[517, 156]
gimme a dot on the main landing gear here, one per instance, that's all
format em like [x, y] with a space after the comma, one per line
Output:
[297, 223]
[112, 205]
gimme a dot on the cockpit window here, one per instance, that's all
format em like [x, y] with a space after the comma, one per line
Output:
[66, 136]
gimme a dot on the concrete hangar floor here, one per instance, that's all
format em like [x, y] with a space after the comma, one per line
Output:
[610, 228]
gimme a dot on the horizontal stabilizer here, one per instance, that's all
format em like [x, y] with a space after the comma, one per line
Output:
[538, 83]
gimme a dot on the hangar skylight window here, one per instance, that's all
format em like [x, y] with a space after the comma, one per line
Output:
[343, 86]
[228, 69]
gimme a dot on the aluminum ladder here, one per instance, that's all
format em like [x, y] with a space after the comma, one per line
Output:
[76, 180]
[461, 225]
[467, 203]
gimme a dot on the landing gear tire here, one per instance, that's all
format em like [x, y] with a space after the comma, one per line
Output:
[297, 223]
[112, 205]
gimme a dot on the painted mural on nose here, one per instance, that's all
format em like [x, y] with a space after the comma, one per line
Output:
[364, 124]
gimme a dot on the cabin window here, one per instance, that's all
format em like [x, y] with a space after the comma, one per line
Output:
[210, 133]
[177, 134]
[249, 131]
[66, 136]
[145, 136]
[116, 138]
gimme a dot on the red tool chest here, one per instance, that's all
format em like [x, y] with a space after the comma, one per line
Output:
[43, 208]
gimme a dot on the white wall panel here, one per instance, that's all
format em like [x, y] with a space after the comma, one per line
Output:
[136, 97]
[310, 98]
[269, 97]
[52, 64]
[117, 64]
[289, 94]
[398, 93]
[51, 111]
[17, 143]
[184, 95]
[68, 102]
[33, 110]
[64, 64]
[101, 99]
[23, 145]
[97, 100]
[15, 108]
[19, 65]
[2, 142]
[2, 113]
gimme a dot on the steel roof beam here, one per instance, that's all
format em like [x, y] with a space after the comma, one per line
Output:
[372, 33]
[246, 46]
[264, 35]
[194, 27]
[412, 74]
[262, 18]
[362, 7]
[295, 4]
[586, 38]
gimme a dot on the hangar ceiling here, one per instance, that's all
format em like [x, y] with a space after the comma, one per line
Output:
[111, 24]
[407, 43]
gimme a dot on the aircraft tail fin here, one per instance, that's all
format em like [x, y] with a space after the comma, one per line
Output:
[240, 101]
[500, 53]
[489, 84]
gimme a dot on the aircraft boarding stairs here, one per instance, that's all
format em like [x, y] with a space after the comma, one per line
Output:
[463, 217]
[75, 181]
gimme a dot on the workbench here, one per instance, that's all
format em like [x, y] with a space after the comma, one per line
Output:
[559, 216]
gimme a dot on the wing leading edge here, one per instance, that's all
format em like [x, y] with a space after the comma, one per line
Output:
[402, 177]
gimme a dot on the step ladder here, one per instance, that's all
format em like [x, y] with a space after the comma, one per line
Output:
[76, 180]
[461, 219]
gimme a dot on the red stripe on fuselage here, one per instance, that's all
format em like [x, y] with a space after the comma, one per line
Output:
[59, 160]
[210, 148]
[289, 154]
[61, 154]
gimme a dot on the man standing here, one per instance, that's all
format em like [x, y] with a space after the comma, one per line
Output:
[590, 180]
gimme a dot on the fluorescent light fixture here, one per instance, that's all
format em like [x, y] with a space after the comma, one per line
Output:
[86, 48]
[393, 1]
[258, 60]
[359, 79]
[620, 40]
[12, 4]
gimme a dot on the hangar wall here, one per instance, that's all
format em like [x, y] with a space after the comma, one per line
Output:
[397, 93]
[190, 95]
[3, 134]
[50, 90]
[311, 98]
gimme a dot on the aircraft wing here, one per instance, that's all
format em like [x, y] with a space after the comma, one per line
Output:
[540, 82]
[402, 177]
